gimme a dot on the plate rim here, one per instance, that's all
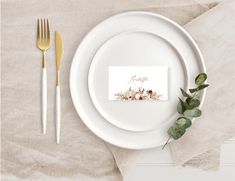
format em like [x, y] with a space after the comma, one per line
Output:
[82, 116]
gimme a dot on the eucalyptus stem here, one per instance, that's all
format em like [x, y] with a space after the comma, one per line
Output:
[166, 142]
[187, 109]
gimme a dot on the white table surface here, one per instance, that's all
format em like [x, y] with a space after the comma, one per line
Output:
[158, 165]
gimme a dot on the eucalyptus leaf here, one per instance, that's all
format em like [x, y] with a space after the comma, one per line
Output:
[191, 103]
[200, 79]
[180, 107]
[176, 131]
[185, 94]
[203, 86]
[192, 90]
[200, 87]
[193, 112]
[183, 122]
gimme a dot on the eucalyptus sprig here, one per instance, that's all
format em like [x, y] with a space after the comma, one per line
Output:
[187, 109]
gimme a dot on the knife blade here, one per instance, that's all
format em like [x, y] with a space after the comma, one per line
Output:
[59, 50]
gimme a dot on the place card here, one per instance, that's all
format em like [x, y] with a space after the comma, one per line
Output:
[138, 83]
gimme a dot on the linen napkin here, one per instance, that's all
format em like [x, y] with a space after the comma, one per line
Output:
[217, 124]
[25, 153]
[199, 147]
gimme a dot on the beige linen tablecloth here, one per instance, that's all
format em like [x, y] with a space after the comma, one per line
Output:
[26, 154]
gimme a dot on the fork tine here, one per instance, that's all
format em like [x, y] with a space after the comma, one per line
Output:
[42, 31]
[45, 30]
[38, 31]
[48, 31]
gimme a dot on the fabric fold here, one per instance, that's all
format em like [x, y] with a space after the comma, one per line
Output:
[216, 125]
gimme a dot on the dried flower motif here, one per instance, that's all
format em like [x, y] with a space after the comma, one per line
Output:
[138, 94]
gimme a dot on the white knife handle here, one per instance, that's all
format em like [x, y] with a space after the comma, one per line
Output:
[44, 100]
[57, 114]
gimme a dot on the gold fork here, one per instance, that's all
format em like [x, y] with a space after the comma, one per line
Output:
[43, 43]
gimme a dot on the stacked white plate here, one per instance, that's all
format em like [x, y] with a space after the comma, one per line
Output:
[132, 39]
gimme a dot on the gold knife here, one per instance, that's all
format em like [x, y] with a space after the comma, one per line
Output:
[59, 54]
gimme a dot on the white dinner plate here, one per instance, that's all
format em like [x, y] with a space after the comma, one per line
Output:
[109, 120]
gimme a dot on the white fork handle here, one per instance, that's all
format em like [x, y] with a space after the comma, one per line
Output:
[44, 100]
[57, 114]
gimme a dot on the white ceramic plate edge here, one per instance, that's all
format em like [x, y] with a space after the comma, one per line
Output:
[74, 99]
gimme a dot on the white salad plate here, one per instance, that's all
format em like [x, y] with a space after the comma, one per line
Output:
[132, 39]
[136, 49]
